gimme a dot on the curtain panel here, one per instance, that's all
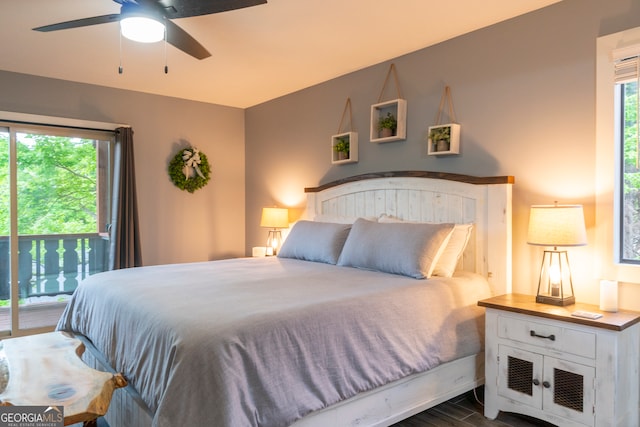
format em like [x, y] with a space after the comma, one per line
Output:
[125, 249]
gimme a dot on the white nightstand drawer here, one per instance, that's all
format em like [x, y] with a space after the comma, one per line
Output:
[548, 335]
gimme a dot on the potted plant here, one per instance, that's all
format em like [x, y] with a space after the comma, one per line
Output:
[440, 138]
[342, 148]
[387, 125]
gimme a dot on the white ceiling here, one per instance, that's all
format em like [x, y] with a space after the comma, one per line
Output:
[258, 53]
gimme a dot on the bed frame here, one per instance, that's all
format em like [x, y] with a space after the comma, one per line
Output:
[409, 195]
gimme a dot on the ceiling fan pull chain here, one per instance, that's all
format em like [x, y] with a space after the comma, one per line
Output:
[120, 53]
[166, 66]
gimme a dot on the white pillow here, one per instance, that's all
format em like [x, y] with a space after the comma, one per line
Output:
[315, 241]
[446, 264]
[402, 248]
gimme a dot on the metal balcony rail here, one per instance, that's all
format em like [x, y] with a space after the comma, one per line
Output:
[53, 264]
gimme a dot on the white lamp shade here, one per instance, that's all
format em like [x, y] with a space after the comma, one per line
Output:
[557, 225]
[142, 29]
[275, 218]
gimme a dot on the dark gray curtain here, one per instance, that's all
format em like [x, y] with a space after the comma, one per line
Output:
[125, 250]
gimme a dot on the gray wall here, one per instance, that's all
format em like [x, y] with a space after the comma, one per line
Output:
[524, 94]
[523, 91]
[176, 226]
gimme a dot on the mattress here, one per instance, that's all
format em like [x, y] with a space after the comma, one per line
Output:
[266, 341]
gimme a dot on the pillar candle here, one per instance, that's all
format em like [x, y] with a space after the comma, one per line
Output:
[259, 251]
[608, 295]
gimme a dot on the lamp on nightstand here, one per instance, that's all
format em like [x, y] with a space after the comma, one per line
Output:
[556, 225]
[274, 218]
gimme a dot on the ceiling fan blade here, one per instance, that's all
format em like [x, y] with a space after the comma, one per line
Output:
[186, 8]
[183, 41]
[85, 22]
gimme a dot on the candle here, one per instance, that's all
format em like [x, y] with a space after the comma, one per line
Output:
[608, 295]
[554, 278]
[259, 251]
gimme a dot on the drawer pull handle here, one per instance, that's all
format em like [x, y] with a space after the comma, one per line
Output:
[536, 382]
[549, 337]
[546, 384]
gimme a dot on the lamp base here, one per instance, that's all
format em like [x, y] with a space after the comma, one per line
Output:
[546, 299]
[274, 240]
[555, 286]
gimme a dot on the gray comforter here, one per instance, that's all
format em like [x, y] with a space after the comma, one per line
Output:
[265, 341]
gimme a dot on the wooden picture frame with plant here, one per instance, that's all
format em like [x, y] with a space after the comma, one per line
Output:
[443, 139]
[344, 148]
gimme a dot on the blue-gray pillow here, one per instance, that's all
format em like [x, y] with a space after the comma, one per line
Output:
[315, 241]
[400, 248]
[448, 261]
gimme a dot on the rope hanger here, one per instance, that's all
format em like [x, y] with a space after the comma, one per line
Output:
[446, 99]
[346, 106]
[392, 69]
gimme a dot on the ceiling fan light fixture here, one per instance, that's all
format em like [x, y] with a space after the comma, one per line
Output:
[142, 29]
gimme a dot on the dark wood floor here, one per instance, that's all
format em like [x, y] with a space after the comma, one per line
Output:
[466, 411]
[461, 411]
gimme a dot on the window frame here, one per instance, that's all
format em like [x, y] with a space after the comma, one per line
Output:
[20, 122]
[619, 113]
[608, 174]
[104, 160]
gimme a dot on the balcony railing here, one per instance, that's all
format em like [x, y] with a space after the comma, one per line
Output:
[53, 264]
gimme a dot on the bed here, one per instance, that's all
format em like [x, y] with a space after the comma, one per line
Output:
[325, 334]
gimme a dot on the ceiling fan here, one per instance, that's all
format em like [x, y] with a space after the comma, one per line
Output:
[161, 12]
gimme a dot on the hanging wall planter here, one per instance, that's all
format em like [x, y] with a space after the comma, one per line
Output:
[389, 119]
[444, 139]
[344, 145]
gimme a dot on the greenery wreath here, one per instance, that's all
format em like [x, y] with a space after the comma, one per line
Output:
[189, 169]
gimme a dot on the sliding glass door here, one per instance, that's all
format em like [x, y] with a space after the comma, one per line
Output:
[5, 227]
[55, 185]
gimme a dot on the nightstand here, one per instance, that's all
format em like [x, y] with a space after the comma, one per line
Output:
[543, 362]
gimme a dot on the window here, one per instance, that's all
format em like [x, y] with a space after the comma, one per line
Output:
[629, 176]
[627, 141]
[616, 91]
[56, 183]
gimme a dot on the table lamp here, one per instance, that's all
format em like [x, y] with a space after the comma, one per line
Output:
[274, 218]
[556, 225]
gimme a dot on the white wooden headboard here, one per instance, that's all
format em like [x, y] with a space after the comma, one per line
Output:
[432, 197]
